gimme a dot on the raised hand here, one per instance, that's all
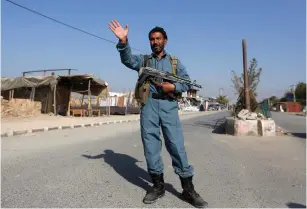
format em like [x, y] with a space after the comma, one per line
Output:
[118, 30]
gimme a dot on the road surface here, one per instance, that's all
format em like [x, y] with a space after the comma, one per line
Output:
[291, 123]
[104, 167]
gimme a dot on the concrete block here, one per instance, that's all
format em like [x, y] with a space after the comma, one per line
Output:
[4, 135]
[238, 127]
[266, 128]
[53, 128]
[34, 130]
[241, 127]
[16, 133]
[246, 128]
[10, 133]
[65, 127]
[230, 124]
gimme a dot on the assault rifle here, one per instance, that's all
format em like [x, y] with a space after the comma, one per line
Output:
[150, 73]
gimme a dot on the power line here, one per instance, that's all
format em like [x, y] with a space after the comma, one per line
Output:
[67, 25]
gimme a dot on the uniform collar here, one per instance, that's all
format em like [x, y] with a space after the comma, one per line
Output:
[154, 56]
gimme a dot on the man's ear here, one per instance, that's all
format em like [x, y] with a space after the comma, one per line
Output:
[165, 41]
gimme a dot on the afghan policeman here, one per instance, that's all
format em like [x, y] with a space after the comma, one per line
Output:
[159, 109]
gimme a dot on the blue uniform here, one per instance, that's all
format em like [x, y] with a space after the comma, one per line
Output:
[164, 113]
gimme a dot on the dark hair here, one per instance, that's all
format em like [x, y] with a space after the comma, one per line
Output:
[157, 29]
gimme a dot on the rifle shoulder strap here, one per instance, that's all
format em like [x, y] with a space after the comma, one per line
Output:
[145, 62]
[174, 61]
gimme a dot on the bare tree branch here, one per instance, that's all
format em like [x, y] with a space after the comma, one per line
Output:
[237, 82]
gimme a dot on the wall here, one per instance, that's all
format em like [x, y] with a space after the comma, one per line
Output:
[293, 107]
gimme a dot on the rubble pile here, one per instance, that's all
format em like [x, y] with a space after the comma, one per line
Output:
[186, 106]
[190, 109]
[247, 115]
[279, 131]
[20, 108]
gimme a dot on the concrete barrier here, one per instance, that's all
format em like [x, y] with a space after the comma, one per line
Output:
[266, 128]
[230, 124]
[237, 127]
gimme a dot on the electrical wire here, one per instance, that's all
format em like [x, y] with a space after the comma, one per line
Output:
[67, 25]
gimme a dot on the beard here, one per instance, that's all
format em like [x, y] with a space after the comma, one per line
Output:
[157, 48]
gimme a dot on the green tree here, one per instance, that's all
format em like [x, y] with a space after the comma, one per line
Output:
[284, 98]
[240, 102]
[273, 100]
[253, 74]
[222, 100]
[253, 78]
[300, 93]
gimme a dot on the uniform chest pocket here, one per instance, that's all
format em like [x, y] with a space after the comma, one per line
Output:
[166, 69]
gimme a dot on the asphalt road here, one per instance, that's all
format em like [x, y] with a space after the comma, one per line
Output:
[291, 123]
[104, 167]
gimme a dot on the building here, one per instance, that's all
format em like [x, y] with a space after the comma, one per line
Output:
[289, 106]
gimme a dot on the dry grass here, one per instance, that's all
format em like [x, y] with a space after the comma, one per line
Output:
[20, 108]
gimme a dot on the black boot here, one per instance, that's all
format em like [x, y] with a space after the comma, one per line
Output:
[157, 190]
[190, 195]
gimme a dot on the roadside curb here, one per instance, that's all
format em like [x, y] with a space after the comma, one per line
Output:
[72, 126]
[63, 127]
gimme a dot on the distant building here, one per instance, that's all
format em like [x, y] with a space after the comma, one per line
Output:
[191, 93]
[113, 94]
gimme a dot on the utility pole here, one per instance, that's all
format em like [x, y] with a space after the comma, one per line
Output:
[221, 91]
[246, 87]
[293, 92]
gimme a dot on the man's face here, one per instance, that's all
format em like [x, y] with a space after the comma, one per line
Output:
[157, 42]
